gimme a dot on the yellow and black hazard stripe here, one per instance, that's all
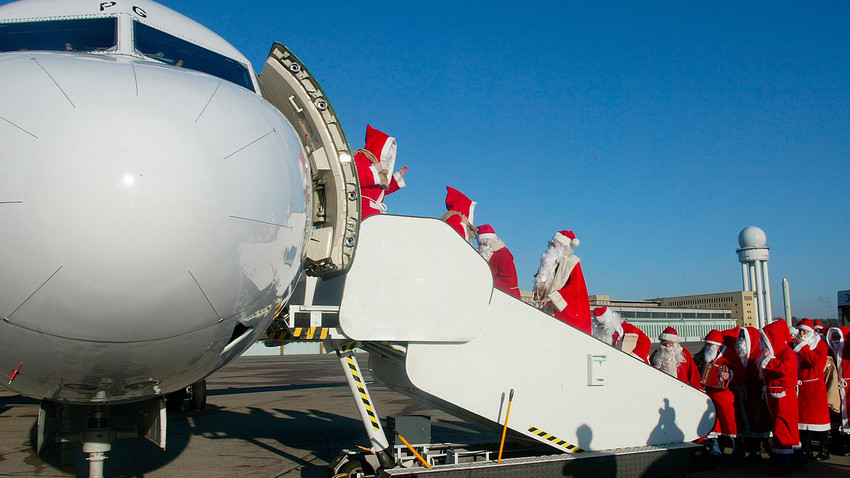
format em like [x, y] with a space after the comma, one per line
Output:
[348, 347]
[303, 333]
[363, 396]
[259, 313]
[555, 440]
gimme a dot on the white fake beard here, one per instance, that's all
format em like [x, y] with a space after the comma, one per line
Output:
[811, 339]
[604, 329]
[485, 250]
[710, 353]
[743, 349]
[485, 247]
[548, 263]
[669, 358]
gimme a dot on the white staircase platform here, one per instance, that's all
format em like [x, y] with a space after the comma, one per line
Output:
[415, 281]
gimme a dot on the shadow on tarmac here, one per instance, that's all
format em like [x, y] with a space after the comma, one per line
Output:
[317, 433]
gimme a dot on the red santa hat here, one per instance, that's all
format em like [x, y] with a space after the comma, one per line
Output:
[566, 238]
[457, 201]
[383, 146]
[670, 335]
[818, 325]
[806, 324]
[714, 337]
[486, 231]
[776, 335]
[604, 315]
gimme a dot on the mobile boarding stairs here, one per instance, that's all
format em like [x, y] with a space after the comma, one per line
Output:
[421, 301]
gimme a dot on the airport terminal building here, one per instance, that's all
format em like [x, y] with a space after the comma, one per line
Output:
[692, 316]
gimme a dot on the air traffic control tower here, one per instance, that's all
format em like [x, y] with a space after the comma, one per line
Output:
[753, 256]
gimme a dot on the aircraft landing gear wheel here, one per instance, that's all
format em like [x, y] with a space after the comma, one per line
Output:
[352, 469]
[198, 395]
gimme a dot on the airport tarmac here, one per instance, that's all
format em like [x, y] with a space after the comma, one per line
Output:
[284, 416]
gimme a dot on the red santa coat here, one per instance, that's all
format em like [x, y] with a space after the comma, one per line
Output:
[811, 394]
[504, 271]
[840, 352]
[779, 371]
[569, 295]
[459, 214]
[643, 345]
[724, 400]
[687, 371]
[373, 188]
[730, 338]
[753, 417]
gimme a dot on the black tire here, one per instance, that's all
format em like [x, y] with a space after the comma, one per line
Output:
[198, 397]
[351, 468]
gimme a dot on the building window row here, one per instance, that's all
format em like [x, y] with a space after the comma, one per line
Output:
[701, 301]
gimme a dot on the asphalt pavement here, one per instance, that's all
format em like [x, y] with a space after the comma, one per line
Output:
[285, 416]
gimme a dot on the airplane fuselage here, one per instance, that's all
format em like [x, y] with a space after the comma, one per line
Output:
[154, 215]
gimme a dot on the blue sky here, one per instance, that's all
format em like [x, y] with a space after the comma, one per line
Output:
[656, 131]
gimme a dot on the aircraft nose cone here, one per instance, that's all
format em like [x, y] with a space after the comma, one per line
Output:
[130, 196]
[140, 202]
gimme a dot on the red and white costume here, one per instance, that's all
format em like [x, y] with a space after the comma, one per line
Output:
[837, 339]
[819, 328]
[378, 154]
[778, 367]
[610, 328]
[811, 355]
[561, 280]
[724, 399]
[753, 416]
[500, 260]
[641, 350]
[460, 212]
[665, 357]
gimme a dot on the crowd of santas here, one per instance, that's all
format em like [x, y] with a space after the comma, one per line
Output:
[784, 389]
[780, 388]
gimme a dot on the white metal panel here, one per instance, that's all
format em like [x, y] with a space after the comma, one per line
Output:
[414, 279]
[546, 362]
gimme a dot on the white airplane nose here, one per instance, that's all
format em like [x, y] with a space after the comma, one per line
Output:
[140, 202]
[127, 194]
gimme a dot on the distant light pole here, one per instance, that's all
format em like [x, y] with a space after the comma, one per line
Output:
[753, 256]
[786, 295]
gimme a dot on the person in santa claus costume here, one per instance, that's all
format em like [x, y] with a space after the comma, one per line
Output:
[725, 428]
[778, 369]
[673, 359]
[753, 416]
[811, 353]
[836, 338]
[818, 326]
[559, 285]
[610, 328]
[460, 213]
[500, 260]
[375, 163]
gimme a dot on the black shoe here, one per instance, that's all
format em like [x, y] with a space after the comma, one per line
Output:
[823, 456]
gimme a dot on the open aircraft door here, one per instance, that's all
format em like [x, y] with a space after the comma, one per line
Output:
[286, 83]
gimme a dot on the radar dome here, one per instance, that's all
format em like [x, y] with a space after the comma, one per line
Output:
[752, 236]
